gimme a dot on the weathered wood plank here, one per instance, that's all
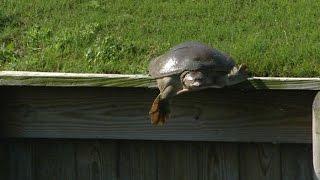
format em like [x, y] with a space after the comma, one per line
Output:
[20, 78]
[137, 160]
[316, 136]
[16, 78]
[180, 160]
[4, 160]
[220, 161]
[121, 113]
[21, 163]
[96, 160]
[296, 162]
[4, 149]
[101, 159]
[54, 160]
[196, 160]
[281, 83]
[260, 161]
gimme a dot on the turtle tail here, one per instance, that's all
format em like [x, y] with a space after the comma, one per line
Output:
[159, 111]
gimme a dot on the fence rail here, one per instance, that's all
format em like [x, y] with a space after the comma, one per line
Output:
[37, 105]
[20, 78]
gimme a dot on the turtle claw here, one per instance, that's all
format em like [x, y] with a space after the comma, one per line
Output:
[158, 117]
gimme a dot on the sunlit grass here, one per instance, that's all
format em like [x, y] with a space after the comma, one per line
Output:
[274, 38]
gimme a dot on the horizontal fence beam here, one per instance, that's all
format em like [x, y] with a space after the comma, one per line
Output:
[18, 78]
[230, 115]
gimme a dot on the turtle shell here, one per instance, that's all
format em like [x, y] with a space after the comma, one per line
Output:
[190, 56]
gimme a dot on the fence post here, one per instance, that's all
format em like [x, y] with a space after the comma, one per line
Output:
[316, 136]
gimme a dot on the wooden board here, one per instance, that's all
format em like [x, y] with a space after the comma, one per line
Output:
[260, 161]
[39, 159]
[21, 78]
[180, 161]
[122, 113]
[54, 160]
[296, 162]
[316, 136]
[21, 164]
[220, 161]
[281, 83]
[137, 160]
[14, 78]
[96, 160]
[4, 159]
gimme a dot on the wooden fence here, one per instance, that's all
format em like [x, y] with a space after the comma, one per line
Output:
[34, 159]
[88, 126]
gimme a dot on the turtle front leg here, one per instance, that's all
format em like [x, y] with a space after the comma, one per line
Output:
[237, 75]
[160, 109]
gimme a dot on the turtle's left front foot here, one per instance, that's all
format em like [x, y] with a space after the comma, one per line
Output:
[159, 111]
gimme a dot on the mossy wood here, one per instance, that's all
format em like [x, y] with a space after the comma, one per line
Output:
[16, 78]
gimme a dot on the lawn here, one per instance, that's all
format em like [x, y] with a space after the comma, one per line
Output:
[274, 38]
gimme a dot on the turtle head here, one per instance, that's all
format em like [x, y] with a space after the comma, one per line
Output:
[193, 80]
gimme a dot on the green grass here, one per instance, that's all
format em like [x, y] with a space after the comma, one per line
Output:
[274, 38]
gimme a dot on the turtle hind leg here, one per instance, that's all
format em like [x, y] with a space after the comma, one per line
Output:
[159, 111]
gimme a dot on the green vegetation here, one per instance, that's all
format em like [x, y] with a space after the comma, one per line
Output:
[274, 38]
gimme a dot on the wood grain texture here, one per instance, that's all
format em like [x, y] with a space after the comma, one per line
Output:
[16, 78]
[296, 162]
[21, 160]
[4, 160]
[122, 113]
[281, 83]
[221, 161]
[96, 160]
[260, 161]
[183, 161]
[54, 160]
[161, 160]
[137, 160]
[20, 78]
[316, 136]
[198, 160]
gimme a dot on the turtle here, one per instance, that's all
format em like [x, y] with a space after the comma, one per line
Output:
[190, 66]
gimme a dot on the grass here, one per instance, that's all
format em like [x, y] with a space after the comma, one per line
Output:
[274, 38]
